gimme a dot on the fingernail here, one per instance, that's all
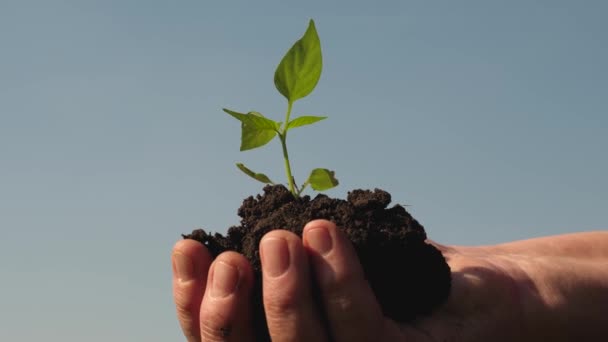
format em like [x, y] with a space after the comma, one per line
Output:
[184, 268]
[319, 239]
[275, 256]
[225, 280]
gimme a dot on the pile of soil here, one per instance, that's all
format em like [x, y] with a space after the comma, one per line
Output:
[409, 277]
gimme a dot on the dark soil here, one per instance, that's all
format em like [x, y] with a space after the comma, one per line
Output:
[409, 277]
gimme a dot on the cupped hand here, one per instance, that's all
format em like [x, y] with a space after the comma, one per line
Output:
[213, 296]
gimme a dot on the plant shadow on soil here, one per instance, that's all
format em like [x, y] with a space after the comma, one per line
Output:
[409, 276]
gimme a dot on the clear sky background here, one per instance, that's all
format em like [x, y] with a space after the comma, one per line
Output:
[489, 118]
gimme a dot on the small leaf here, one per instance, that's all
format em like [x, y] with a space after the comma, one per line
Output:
[256, 130]
[300, 69]
[257, 176]
[260, 121]
[304, 120]
[264, 122]
[322, 179]
[236, 115]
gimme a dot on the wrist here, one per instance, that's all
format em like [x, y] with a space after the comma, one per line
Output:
[559, 296]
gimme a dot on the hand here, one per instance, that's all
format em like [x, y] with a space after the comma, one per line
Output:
[212, 297]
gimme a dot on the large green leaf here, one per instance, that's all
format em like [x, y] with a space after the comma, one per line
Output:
[300, 69]
[322, 179]
[257, 176]
[304, 120]
[256, 130]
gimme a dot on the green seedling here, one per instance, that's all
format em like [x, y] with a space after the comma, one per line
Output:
[295, 77]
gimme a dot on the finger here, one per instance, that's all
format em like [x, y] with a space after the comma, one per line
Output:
[190, 261]
[350, 305]
[226, 308]
[287, 293]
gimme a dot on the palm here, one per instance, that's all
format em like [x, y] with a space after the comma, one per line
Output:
[482, 304]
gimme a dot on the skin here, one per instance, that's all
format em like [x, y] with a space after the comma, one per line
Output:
[545, 289]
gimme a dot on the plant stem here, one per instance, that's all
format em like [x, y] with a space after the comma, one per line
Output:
[302, 188]
[283, 137]
[289, 105]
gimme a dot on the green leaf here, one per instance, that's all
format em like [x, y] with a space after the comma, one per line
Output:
[322, 179]
[236, 115]
[256, 130]
[277, 125]
[257, 176]
[300, 69]
[304, 120]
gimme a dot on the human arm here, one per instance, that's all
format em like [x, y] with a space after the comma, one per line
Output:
[520, 291]
[563, 284]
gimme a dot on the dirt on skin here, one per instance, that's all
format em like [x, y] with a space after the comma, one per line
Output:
[409, 277]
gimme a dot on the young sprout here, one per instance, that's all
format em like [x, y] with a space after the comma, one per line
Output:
[295, 78]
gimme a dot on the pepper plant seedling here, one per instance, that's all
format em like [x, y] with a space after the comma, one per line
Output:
[295, 77]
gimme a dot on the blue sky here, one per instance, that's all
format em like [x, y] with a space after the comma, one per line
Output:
[488, 118]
